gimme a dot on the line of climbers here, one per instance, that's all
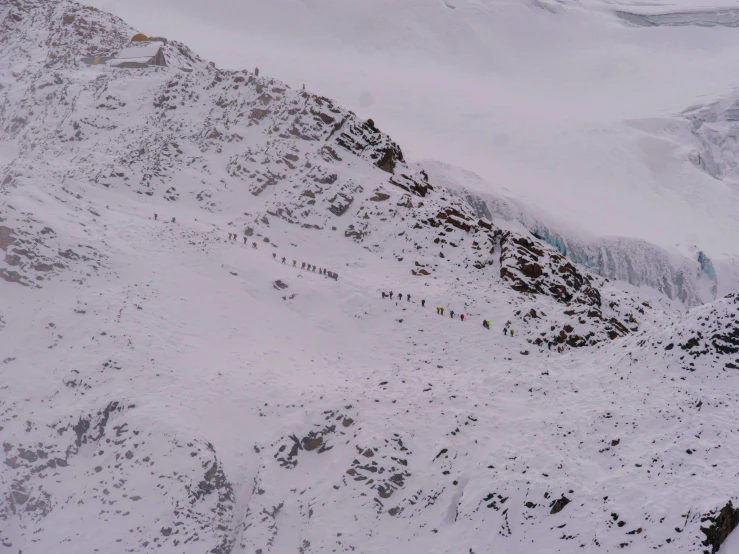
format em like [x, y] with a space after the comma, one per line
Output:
[310, 267]
[439, 309]
[485, 323]
[400, 297]
[234, 236]
[322, 271]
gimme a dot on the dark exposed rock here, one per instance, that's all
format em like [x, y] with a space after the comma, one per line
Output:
[721, 525]
[6, 237]
[69, 254]
[693, 342]
[524, 263]
[379, 196]
[559, 504]
[531, 270]
[340, 204]
[12, 276]
[311, 443]
[387, 160]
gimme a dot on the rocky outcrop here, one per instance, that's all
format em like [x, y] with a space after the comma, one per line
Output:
[722, 522]
[710, 333]
[531, 267]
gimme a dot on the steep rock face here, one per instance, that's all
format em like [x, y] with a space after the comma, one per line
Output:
[722, 523]
[524, 263]
[691, 280]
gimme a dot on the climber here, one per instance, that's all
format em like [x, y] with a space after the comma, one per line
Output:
[303, 267]
[254, 244]
[314, 269]
[486, 324]
[295, 262]
[391, 295]
[423, 303]
[461, 317]
[505, 330]
[283, 259]
[156, 216]
[511, 332]
[274, 255]
[409, 298]
[451, 314]
[308, 267]
[235, 237]
[400, 296]
[442, 311]
[383, 294]
[173, 220]
[244, 239]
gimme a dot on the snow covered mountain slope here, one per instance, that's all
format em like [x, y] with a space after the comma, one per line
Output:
[165, 387]
[563, 106]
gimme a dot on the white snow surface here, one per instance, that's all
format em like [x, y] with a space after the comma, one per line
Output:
[164, 388]
[139, 51]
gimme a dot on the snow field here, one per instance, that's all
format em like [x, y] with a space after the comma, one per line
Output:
[223, 359]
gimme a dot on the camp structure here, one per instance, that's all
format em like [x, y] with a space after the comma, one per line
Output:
[97, 60]
[142, 51]
[140, 54]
